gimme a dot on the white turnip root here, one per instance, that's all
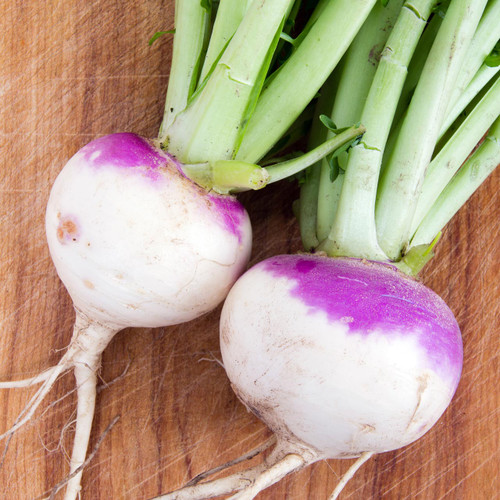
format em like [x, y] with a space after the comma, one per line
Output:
[346, 356]
[164, 252]
[341, 358]
[136, 243]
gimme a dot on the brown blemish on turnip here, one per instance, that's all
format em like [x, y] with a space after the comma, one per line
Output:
[67, 230]
[367, 428]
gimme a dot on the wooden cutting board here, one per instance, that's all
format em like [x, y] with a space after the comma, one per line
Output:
[73, 70]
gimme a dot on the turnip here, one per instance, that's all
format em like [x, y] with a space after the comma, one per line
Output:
[114, 230]
[147, 232]
[344, 353]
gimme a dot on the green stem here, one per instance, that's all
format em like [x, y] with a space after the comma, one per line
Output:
[415, 69]
[444, 166]
[359, 65]
[291, 167]
[326, 198]
[486, 36]
[210, 127]
[353, 232]
[475, 170]
[300, 78]
[480, 81]
[308, 209]
[361, 61]
[400, 182]
[308, 206]
[191, 23]
[329, 188]
[229, 16]
[227, 176]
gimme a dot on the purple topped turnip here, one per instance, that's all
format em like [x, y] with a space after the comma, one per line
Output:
[136, 243]
[175, 249]
[340, 356]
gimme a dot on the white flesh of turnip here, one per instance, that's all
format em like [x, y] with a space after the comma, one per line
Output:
[136, 244]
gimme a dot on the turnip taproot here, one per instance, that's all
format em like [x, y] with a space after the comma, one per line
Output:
[339, 357]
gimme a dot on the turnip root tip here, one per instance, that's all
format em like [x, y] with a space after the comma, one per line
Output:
[89, 458]
[216, 487]
[28, 382]
[350, 474]
[84, 357]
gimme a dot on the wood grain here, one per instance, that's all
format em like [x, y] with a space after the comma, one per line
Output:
[71, 71]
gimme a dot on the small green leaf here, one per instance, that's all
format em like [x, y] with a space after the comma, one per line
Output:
[301, 177]
[333, 158]
[328, 123]
[287, 38]
[209, 5]
[158, 34]
[493, 59]
[334, 167]
[339, 154]
[440, 8]
[346, 147]
[417, 257]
